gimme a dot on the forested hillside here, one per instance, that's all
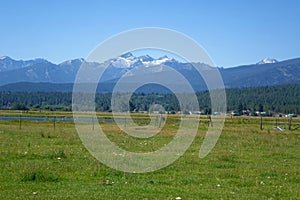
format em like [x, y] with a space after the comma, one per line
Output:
[271, 99]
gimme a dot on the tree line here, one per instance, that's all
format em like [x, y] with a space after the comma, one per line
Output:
[269, 99]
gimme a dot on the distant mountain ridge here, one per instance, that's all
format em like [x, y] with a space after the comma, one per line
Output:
[268, 74]
[39, 73]
[7, 63]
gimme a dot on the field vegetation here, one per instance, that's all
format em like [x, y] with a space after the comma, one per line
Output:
[41, 161]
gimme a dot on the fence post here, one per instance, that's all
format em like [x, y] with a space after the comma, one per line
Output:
[290, 123]
[20, 121]
[93, 123]
[125, 121]
[261, 123]
[54, 122]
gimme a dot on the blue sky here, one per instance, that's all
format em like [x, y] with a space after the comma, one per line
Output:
[232, 32]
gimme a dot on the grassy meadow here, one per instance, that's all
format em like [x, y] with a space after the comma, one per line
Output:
[38, 161]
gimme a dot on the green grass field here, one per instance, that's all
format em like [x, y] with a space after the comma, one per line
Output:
[40, 162]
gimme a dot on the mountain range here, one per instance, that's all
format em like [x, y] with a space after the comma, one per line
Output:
[42, 75]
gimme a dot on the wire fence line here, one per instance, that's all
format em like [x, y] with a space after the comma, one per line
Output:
[263, 123]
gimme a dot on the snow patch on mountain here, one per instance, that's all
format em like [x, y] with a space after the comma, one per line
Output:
[121, 62]
[3, 57]
[129, 61]
[158, 61]
[267, 61]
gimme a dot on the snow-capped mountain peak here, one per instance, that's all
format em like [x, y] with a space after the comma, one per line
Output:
[7, 63]
[3, 57]
[128, 60]
[124, 61]
[74, 61]
[159, 61]
[156, 62]
[40, 60]
[267, 61]
[146, 58]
